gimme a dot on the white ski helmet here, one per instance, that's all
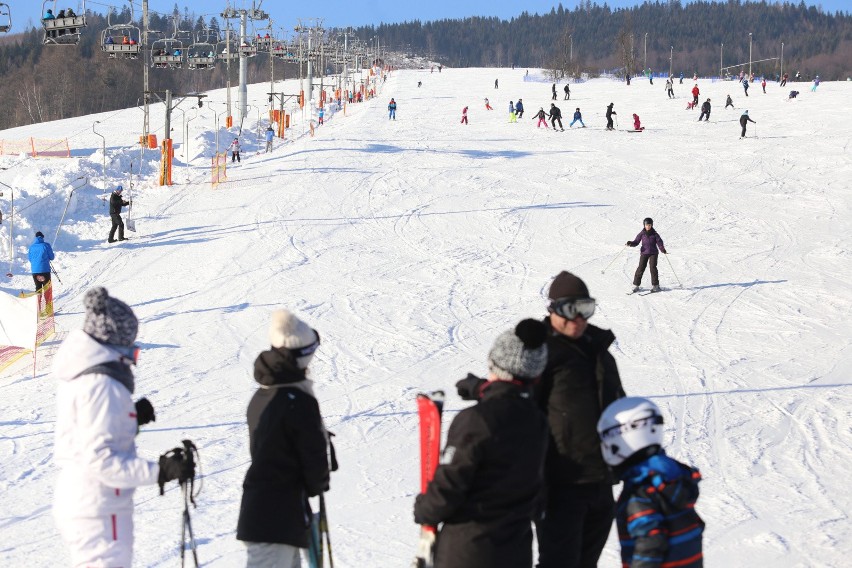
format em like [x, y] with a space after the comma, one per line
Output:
[627, 426]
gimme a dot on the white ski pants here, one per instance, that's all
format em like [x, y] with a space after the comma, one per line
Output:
[98, 542]
[271, 555]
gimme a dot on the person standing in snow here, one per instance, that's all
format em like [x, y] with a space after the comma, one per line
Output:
[496, 83]
[115, 204]
[729, 102]
[519, 108]
[542, 118]
[670, 87]
[392, 109]
[695, 93]
[464, 116]
[96, 426]
[556, 116]
[609, 113]
[553, 89]
[485, 499]
[816, 84]
[270, 135]
[235, 150]
[681, 78]
[705, 111]
[320, 116]
[745, 86]
[512, 117]
[288, 445]
[40, 255]
[577, 116]
[763, 84]
[650, 241]
[655, 513]
[744, 120]
[567, 90]
[488, 105]
[784, 79]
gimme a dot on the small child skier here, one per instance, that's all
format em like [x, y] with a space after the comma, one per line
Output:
[577, 116]
[651, 241]
[488, 105]
[655, 513]
[729, 103]
[464, 116]
[637, 125]
[541, 116]
[512, 116]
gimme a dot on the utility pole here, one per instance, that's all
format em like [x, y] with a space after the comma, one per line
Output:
[254, 13]
[749, 54]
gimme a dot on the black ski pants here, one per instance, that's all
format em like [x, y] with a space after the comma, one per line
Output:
[45, 279]
[703, 114]
[117, 223]
[576, 524]
[554, 120]
[644, 261]
[235, 156]
[609, 123]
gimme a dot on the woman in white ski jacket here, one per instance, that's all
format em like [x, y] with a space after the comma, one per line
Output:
[96, 426]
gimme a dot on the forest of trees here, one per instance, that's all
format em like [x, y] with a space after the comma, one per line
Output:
[39, 83]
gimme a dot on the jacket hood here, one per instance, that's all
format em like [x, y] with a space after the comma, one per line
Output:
[79, 352]
[38, 240]
[273, 367]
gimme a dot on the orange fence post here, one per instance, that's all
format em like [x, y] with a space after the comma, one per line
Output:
[302, 99]
[229, 121]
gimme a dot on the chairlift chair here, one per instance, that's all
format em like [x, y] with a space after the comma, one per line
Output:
[202, 53]
[167, 53]
[65, 30]
[5, 18]
[121, 40]
[249, 50]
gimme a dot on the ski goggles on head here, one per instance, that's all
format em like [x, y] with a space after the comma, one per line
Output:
[570, 308]
[307, 349]
[635, 424]
[128, 353]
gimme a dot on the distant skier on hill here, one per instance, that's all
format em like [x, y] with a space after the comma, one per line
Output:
[392, 109]
[744, 120]
[705, 111]
[567, 90]
[540, 115]
[577, 116]
[464, 116]
[519, 108]
[488, 105]
[609, 113]
[816, 84]
[763, 84]
[695, 93]
[745, 86]
[554, 91]
[729, 103]
[793, 95]
[670, 87]
[496, 83]
[512, 116]
[637, 124]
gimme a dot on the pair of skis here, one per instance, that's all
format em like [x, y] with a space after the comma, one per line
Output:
[429, 407]
[319, 538]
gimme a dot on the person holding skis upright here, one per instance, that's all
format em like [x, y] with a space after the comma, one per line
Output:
[289, 448]
[392, 109]
[115, 204]
[464, 116]
[519, 108]
[655, 513]
[744, 120]
[40, 255]
[95, 436]
[487, 488]
[705, 111]
[235, 150]
[577, 116]
[609, 113]
[555, 116]
[651, 241]
[541, 116]
[729, 102]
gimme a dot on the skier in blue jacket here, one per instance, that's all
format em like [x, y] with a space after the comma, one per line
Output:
[577, 116]
[519, 108]
[40, 254]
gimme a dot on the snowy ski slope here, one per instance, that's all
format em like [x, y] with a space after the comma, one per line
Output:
[411, 244]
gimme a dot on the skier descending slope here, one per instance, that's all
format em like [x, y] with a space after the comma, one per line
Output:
[486, 489]
[651, 241]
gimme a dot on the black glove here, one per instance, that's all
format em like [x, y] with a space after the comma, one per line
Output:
[175, 464]
[144, 412]
[628, 243]
[469, 387]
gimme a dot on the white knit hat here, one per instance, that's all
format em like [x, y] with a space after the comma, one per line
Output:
[286, 331]
[519, 353]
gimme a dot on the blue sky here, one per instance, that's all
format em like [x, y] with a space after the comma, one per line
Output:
[344, 12]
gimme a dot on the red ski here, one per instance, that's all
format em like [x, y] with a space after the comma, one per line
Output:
[429, 407]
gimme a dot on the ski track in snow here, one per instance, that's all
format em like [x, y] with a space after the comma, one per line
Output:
[411, 244]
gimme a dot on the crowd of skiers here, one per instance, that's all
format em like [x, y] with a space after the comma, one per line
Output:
[550, 434]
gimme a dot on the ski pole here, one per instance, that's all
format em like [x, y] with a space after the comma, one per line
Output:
[673, 271]
[55, 274]
[614, 259]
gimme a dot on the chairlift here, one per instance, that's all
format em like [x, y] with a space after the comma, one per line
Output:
[168, 52]
[247, 49]
[228, 48]
[59, 28]
[202, 53]
[5, 18]
[121, 40]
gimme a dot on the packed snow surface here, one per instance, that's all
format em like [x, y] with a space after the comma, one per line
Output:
[410, 244]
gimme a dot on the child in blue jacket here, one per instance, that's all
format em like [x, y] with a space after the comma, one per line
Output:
[655, 513]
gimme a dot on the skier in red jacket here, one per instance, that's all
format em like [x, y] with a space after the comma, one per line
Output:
[695, 93]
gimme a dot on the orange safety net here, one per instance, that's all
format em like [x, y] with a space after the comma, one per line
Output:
[219, 168]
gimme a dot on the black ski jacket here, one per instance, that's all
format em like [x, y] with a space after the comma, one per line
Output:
[705, 108]
[555, 112]
[609, 111]
[289, 462]
[116, 203]
[486, 489]
[580, 380]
